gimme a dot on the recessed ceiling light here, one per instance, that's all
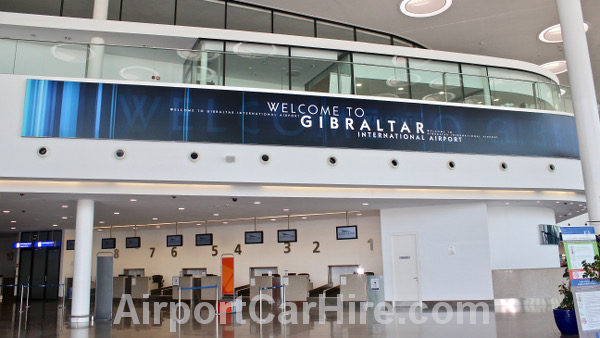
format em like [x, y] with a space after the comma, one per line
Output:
[572, 203]
[132, 200]
[424, 8]
[216, 214]
[101, 222]
[359, 84]
[401, 88]
[507, 203]
[116, 213]
[99, 230]
[181, 208]
[158, 226]
[198, 224]
[155, 218]
[496, 99]
[553, 34]
[556, 67]
[286, 209]
[557, 202]
[13, 228]
[225, 222]
[365, 203]
[13, 221]
[54, 225]
[304, 217]
[6, 211]
[257, 202]
[273, 219]
[64, 206]
[359, 214]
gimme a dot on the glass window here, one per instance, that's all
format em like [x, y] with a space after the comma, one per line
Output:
[434, 80]
[379, 75]
[512, 88]
[201, 13]
[78, 8]
[548, 96]
[400, 42]
[256, 65]
[204, 65]
[248, 18]
[475, 85]
[153, 11]
[45, 7]
[7, 56]
[293, 25]
[50, 59]
[366, 36]
[315, 70]
[333, 31]
[142, 64]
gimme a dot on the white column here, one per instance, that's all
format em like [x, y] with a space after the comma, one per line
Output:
[584, 101]
[100, 10]
[96, 50]
[82, 272]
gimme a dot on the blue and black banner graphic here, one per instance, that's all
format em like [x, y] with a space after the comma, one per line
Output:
[142, 112]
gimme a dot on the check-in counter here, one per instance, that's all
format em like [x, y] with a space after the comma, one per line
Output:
[141, 286]
[210, 294]
[296, 288]
[353, 287]
[258, 282]
[120, 286]
[187, 282]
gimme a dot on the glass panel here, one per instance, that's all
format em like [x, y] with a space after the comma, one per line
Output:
[333, 31]
[548, 96]
[315, 70]
[434, 80]
[366, 36]
[248, 18]
[50, 59]
[293, 25]
[142, 64]
[45, 7]
[201, 13]
[512, 93]
[566, 99]
[114, 9]
[204, 66]
[380, 75]
[475, 85]
[78, 8]
[8, 49]
[256, 66]
[154, 11]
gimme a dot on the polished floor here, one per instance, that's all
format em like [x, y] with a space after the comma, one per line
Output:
[47, 319]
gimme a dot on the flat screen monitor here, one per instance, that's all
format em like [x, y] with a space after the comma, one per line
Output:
[174, 240]
[132, 242]
[204, 239]
[346, 232]
[70, 244]
[109, 243]
[253, 237]
[286, 236]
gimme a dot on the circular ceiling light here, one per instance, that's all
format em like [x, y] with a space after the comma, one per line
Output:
[553, 34]
[424, 8]
[556, 67]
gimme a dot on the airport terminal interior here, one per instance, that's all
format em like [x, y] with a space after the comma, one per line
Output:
[271, 168]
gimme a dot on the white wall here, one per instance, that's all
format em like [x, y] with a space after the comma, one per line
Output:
[466, 275]
[515, 238]
[93, 159]
[300, 259]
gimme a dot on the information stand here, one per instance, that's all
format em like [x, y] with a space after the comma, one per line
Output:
[580, 245]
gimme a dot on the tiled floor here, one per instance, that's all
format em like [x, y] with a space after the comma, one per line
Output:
[49, 320]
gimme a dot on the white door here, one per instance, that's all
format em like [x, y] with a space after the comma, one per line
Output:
[406, 275]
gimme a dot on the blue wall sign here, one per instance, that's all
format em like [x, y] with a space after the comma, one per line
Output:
[143, 112]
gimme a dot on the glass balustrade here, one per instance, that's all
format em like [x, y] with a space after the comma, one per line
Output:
[286, 68]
